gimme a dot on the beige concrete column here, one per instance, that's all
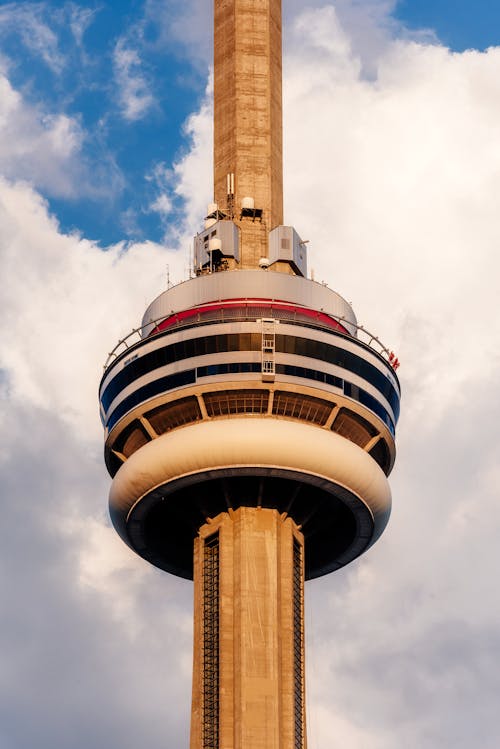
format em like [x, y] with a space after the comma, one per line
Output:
[248, 115]
[260, 621]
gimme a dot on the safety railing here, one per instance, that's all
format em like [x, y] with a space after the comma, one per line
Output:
[249, 313]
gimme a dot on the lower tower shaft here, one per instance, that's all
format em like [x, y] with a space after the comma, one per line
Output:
[248, 676]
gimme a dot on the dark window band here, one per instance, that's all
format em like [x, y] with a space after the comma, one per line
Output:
[352, 391]
[250, 314]
[213, 344]
[326, 352]
[232, 368]
[164, 384]
[317, 350]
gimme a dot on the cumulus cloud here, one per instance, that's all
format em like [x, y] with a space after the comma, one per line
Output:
[69, 278]
[78, 670]
[37, 146]
[182, 25]
[394, 180]
[76, 599]
[134, 92]
[406, 168]
[403, 643]
[368, 25]
[48, 149]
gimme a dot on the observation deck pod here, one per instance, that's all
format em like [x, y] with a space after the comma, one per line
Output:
[250, 388]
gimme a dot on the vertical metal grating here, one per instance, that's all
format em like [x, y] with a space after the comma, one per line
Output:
[210, 730]
[298, 646]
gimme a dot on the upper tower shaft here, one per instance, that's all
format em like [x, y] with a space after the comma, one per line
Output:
[248, 116]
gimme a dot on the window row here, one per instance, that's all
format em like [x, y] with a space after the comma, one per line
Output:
[292, 345]
[164, 384]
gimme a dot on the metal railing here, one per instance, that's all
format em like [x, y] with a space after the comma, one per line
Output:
[249, 313]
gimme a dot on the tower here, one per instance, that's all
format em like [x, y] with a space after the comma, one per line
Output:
[250, 428]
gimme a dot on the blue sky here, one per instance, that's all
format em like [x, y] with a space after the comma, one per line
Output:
[84, 60]
[460, 25]
[392, 171]
[107, 66]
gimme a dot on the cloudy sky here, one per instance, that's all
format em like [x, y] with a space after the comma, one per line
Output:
[392, 153]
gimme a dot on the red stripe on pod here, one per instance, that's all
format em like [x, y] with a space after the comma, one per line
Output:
[235, 304]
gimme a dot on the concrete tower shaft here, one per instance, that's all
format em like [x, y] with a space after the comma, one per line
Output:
[248, 677]
[248, 118]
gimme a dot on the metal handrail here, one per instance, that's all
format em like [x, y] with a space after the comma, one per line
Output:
[129, 341]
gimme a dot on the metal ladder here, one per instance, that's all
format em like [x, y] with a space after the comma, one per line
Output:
[268, 349]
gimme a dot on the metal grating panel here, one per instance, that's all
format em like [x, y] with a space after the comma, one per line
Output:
[172, 415]
[304, 407]
[353, 427]
[210, 727]
[131, 439]
[298, 646]
[228, 402]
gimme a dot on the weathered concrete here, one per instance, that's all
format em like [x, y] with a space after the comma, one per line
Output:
[257, 666]
[248, 116]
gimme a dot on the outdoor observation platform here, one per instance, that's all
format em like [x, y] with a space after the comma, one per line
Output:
[250, 388]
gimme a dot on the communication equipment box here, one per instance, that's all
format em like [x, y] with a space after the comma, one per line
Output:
[285, 245]
[225, 231]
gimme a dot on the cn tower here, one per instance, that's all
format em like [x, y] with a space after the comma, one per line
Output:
[249, 421]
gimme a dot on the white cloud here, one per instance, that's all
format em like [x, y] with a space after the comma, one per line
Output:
[134, 92]
[185, 189]
[162, 205]
[76, 296]
[36, 146]
[193, 173]
[394, 179]
[47, 149]
[76, 603]
[80, 20]
[26, 20]
[406, 169]
[183, 24]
